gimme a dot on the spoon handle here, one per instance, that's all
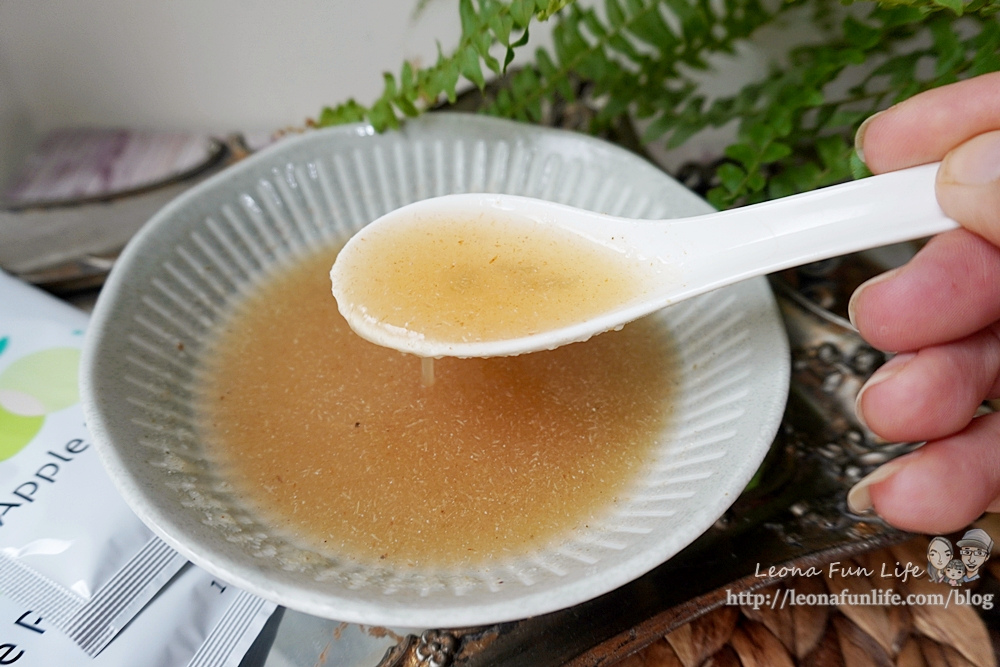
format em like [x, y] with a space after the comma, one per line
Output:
[837, 220]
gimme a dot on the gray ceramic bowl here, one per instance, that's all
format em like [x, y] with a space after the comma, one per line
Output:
[199, 255]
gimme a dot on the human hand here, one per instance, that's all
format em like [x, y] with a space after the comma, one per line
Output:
[941, 314]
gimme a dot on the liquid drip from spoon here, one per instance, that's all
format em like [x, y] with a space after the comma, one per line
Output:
[427, 371]
[486, 275]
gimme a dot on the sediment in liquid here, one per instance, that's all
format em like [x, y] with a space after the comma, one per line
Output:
[337, 441]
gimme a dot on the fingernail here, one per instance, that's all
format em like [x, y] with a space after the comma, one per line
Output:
[859, 136]
[859, 499]
[850, 307]
[851, 303]
[888, 370]
[976, 162]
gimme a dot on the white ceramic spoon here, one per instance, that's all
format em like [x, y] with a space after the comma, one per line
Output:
[703, 252]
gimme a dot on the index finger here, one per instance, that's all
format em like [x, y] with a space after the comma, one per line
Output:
[925, 127]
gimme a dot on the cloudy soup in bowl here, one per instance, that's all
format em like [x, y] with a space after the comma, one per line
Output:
[352, 450]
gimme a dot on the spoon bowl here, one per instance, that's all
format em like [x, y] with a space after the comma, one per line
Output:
[672, 259]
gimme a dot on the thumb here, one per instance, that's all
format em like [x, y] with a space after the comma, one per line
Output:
[968, 185]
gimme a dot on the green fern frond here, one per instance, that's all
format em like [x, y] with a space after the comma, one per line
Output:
[643, 60]
[485, 25]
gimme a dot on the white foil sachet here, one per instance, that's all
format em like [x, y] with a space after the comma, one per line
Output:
[195, 621]
[71, 550]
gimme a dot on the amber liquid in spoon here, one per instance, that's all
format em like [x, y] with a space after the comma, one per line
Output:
[487, 278]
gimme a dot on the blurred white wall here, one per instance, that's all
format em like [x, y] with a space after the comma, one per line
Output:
[217, 65]
[208, 65]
